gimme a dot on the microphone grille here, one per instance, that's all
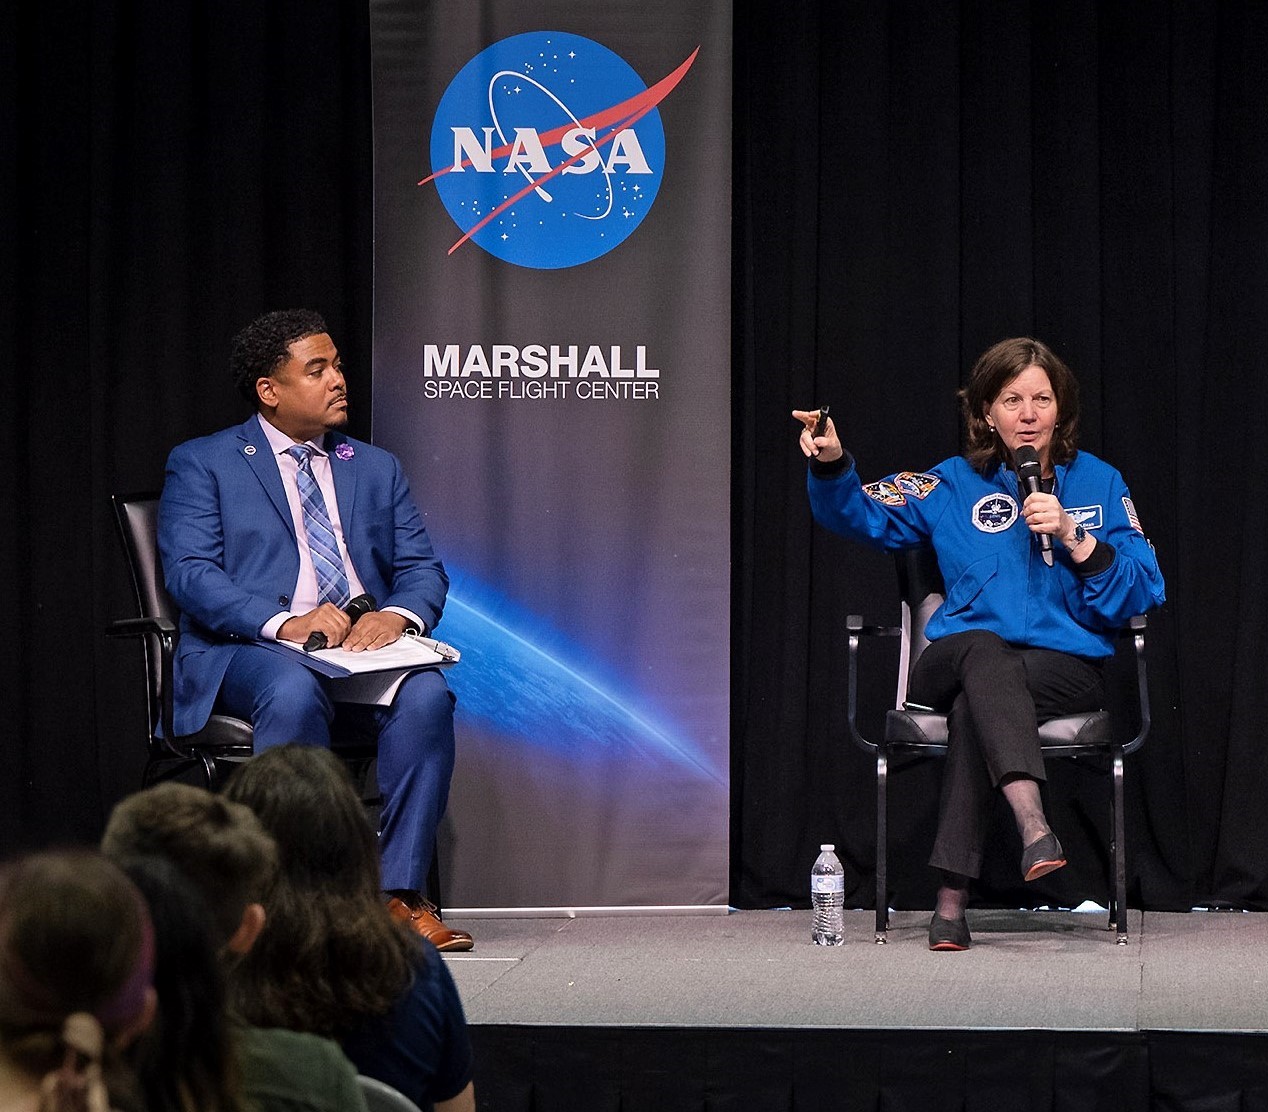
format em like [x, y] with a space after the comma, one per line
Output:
[1027, 458]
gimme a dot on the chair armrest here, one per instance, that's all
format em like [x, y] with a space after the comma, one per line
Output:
[854, 625]
[163, 630]
[135, 627]
[1135, 629]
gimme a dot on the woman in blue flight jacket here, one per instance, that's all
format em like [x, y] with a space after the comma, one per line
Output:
[1023, 634]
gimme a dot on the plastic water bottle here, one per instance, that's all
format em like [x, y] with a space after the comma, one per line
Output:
[827, 897]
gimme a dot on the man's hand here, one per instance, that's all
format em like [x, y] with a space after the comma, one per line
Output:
[826, 448]
[374, 630]
[327, 618]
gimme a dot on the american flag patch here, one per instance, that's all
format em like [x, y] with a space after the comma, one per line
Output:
[1131, 514]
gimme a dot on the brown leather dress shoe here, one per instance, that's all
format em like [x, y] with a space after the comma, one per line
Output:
[422, 917]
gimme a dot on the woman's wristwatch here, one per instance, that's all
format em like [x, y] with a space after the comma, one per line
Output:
[1076, 538]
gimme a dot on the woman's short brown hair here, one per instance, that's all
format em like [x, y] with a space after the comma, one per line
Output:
[995, 369]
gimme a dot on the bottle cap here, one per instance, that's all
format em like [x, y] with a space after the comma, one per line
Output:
[828, 846]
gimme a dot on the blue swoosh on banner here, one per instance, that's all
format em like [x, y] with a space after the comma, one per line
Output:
[524, 692]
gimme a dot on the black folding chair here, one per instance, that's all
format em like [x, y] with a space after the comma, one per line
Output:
[924, 734]
[224, 741]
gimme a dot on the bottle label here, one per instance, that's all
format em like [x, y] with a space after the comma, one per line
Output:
[833, 882]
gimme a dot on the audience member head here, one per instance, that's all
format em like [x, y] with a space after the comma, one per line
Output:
[186, 1061]
[260, 348]
[332, 955]
[76, 979]
[218, 845]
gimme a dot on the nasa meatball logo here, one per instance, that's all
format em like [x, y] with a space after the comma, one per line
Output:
[547, 149]
[995, 513]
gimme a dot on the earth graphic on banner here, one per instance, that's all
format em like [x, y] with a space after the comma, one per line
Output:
[529, 694]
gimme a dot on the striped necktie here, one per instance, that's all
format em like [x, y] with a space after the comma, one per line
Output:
[332, 580]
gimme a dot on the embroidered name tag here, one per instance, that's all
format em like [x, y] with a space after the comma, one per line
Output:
[995, 513]
[1090, 517]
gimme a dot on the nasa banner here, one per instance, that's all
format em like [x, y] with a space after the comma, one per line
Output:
[552, 366]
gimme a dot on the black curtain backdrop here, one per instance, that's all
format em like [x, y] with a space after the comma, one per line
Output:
[912, 182]
[173, 170]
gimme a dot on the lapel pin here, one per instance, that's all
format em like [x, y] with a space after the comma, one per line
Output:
[344, 451]
[249, 450]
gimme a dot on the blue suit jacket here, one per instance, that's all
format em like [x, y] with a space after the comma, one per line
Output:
[230, 557]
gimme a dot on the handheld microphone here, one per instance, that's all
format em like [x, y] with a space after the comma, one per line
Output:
[1028, 479]
[362, 604]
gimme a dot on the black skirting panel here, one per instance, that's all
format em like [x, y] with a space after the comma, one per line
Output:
[643, 1069]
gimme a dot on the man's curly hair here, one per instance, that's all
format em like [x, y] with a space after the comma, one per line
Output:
[261, 347]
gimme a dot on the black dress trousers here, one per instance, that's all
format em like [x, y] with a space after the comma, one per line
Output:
[995, 696]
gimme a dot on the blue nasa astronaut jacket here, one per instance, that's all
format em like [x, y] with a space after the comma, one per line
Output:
[995, 576]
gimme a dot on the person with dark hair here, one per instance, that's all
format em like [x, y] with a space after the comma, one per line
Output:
[1025, 629]
[76, 983]
[267, 531]
[186, 1061]
[334, 961]
[206, 864]
[220, 847]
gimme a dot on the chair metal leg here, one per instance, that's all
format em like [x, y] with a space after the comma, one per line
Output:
[1112, 899]
[1118, 852]
[211, 774]
[882, 835]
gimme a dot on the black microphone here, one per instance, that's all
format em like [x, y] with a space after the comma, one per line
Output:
[1029, 474]
[362, 604]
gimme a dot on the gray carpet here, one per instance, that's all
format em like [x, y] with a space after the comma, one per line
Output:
[1048, 970]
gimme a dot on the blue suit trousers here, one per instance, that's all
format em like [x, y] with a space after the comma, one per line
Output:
[286, 701]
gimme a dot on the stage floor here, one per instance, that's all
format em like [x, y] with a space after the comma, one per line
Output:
[1202, 971]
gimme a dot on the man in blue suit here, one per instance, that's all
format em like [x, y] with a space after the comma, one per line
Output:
[266, 531]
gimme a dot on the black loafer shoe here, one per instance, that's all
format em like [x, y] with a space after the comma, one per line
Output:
[949, 934]
[1042, 857]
